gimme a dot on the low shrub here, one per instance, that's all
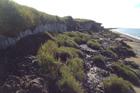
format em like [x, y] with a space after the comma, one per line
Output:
[49, 48]
[46, 56]
[65, 53]
[123, 52]
[109, 53]
[79, 37]
[117, 85]
[93, 44]
[64, 40]
[76, 67]
[68, 83]
[61, 77]
[99, 61]
[126, 73]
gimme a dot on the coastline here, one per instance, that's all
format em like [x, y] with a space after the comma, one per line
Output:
[134, 43]
[128, 35]
[131, 41]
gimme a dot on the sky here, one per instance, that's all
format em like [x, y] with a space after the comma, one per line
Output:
[112, 13]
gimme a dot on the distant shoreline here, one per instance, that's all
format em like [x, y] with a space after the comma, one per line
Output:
[133, 41]
[132, 37]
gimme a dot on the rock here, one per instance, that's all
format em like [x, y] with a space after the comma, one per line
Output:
[11, 84]
[37, 86]
[88, 50]
[27, 65]
[88, 25]
[70, 23]
[27, 84]
[93, 81]
[3, 72]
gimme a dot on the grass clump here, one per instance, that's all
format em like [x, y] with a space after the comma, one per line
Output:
[64, 40]
[68, 83]
[48, 48]
[126, 73]
[117, 85]
[78, 37]
[62, 66]
[94, 44]
[65, 53]
[99, 61]
[76, 67]
[123, 52]
[109, 53]
[46, 56]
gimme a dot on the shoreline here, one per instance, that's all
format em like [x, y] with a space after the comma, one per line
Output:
[128, 36]
[131, 41]
[134, 43]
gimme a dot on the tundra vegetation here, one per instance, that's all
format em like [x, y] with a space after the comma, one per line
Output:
[86, 61]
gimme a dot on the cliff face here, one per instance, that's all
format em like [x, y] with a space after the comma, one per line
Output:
[82, 24]
[19, 21]
[90, 26]
[8, 41]
[69, 25]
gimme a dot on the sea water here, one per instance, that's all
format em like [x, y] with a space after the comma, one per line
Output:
[133, 32]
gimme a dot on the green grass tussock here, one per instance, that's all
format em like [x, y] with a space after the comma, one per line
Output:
[76, 66]
[68, 83]
[47, 61]
[64, 40]
[117, 85]
[63, 66]
[66, 53]
[126, 73]
[99, 61]
[94, 44]
[78, 37]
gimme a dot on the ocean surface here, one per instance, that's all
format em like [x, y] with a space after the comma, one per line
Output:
[135, 33]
